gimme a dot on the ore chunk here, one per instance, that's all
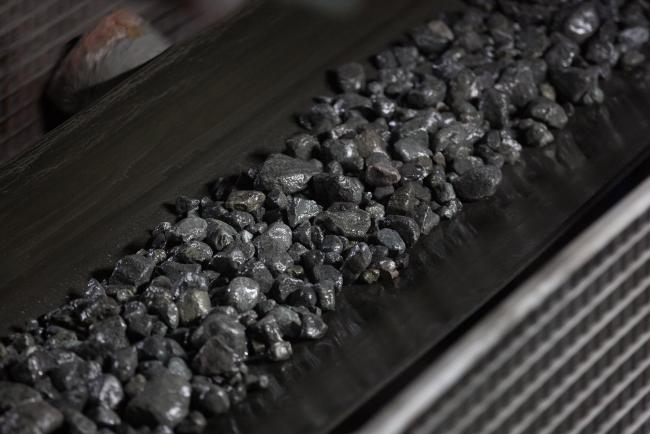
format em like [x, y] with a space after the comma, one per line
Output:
[302, 145]
[478, 183]
[242, 293]
[287, 174]
[357, 259]
[352, 223]
[194, 423]
[106, 390]
[190, 229]
[391, 240]
[549, 112]
[104, 417]
[433, 37]
[165, 400]
[337, 188]
[123, 363]
[211, 398]
[301, 210]
[77, 423]
[343, 151]
[245, 200]
[15, 394]
[582, 22]
[370, 142]
[225, 328]
[562, 54]
[573, 83]
[107, 336]
[496, 108]
[427, 94]
[321, 117]
[194, 251]
[410, 148]
[133, 269]
[405, 226]
[350, 77]
[194, 304]
[313, 326]
[37, 417]
[216, 357]
[537, 134]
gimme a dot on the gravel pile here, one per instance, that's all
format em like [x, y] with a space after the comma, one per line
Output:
[164, 343]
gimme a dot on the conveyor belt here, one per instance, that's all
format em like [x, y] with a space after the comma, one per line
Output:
[209, 108]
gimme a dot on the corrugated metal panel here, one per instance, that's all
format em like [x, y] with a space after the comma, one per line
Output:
[567, 353]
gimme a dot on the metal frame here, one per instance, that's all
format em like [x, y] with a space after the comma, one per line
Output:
[409, 410]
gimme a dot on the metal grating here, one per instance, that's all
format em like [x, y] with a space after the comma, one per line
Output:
[567, 353]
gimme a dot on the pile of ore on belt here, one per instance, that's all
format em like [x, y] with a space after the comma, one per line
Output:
[163, 343]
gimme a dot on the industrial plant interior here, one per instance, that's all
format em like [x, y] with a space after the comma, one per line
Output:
[324, 216]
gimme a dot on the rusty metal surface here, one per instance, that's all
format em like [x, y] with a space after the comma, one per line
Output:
[33, 37]
[88, 193]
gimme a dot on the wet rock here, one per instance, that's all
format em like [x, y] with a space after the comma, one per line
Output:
[36, 417]
[106, 390]
[357, 259]
[353, 223]
[549, 112]
[496, 108]
[582, 22]
[107, 336]
[123, 363]
[245, 200]
[224, 327]
[212, 399]
[285, 173]
[194, 423]
[391, 240]
[337, 188]
[301, 210]
[16, 394]
[350, 77]
[410, 148]
[194, 251]
[478, 183]
[313, 326]
[190, 229]
[343, 151]
[133, 269]
[104, 417]
[302, 145]
[405, 226]
[164, 400]
[194, 304]
[537, 134]
[242, 293]
[433, 37]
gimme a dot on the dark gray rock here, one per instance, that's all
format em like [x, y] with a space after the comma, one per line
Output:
[287, 174]
[357, 259]
[190, 229]
[193, 305]
[36, 417]
[164, 400]
[133, 269]
[549, 112]
[245, 200]
[301, 210]
[242, 293]
[353, 223]
[478, 183]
